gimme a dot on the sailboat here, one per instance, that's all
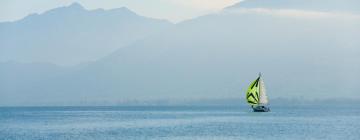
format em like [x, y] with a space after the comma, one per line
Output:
[256, 95]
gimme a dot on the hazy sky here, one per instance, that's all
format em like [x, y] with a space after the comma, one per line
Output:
[173, 10]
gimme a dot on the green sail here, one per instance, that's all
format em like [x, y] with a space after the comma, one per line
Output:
[252, 94]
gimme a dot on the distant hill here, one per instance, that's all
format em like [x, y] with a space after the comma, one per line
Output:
[351, 6]
[72, 35]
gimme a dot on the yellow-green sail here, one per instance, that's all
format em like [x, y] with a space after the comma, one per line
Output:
[253, 92]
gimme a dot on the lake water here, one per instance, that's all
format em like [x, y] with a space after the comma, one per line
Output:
[180, 123]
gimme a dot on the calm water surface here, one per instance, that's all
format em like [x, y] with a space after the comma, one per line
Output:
[179, 123]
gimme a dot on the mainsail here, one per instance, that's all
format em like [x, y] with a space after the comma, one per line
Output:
[263, 97]
[256, 93]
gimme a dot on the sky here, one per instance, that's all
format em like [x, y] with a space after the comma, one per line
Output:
[172, 10]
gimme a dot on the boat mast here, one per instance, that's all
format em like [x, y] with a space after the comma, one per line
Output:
[259, 88]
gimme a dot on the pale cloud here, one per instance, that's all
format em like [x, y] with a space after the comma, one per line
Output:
[206, 4]
[292, 13]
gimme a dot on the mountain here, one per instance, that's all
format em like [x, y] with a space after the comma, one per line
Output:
[72, 35]
[315, 5]
[216, 57]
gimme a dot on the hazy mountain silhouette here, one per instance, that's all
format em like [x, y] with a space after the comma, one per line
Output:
[72, 35]
[217, 56]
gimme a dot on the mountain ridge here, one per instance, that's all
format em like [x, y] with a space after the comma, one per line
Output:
[74, 34]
